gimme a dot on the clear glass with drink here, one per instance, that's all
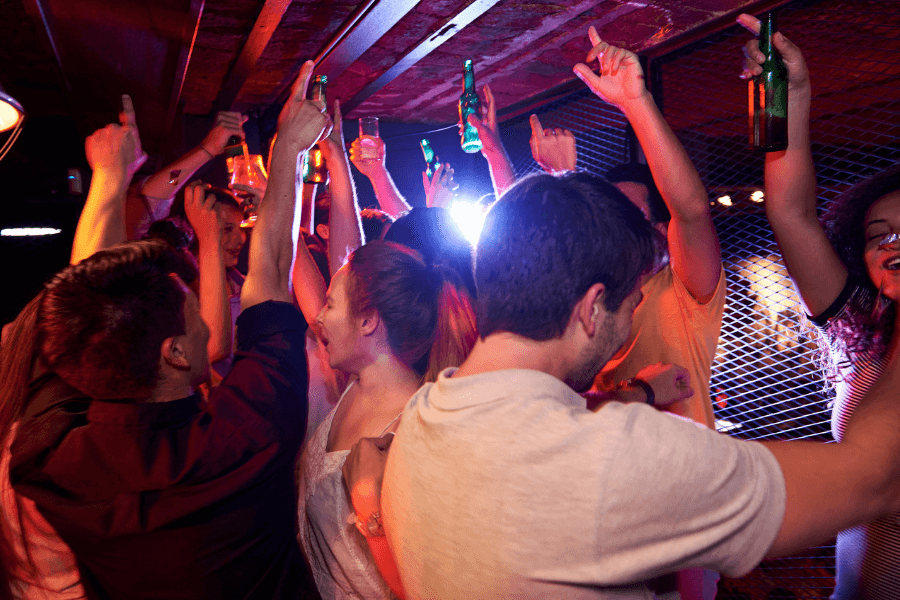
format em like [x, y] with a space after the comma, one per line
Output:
[368, 131]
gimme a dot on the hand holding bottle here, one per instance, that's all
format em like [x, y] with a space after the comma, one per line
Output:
[798, 74]
[227, 124]
[439, 187]
[488, 131]
[621, 78]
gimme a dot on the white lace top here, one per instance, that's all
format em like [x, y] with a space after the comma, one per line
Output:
[338, 554]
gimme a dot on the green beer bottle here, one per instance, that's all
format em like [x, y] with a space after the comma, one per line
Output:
[432, 162]
[769, 95]
[469, 104]
[314, 170]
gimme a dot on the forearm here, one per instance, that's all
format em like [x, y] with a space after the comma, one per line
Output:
[833, 486]
[102, 220]
[215, 307]
[387, 194]
[308, 285]
[502, 175]
[790, 177]
[790, 193]
[345, 228]
[273, 242]
[673, 172]
[160, 189]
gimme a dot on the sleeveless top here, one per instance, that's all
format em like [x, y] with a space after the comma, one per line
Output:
[867, 555]
[337, 552]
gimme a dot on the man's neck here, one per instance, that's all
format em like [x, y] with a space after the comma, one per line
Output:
[504, 350]
[169, 390]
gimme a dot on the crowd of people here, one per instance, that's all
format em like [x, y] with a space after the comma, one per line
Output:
[378, 410]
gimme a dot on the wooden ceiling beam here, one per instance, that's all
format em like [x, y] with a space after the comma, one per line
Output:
[447, 31]
[188, 37]
[350, 43]
[264, 27]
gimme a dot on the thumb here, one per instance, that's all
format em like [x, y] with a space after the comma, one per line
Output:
[584, 73]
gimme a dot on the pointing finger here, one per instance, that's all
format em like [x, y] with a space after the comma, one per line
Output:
[298, 93]
[126, 117]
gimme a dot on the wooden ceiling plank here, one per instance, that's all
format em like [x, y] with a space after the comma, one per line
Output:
[266, 23]
[188, 37]
[38, 7]
[447, 31]
[379, 19]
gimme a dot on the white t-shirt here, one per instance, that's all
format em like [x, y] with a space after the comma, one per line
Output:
[504, 485]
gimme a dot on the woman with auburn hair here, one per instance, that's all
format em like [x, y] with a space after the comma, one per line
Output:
[390, 322]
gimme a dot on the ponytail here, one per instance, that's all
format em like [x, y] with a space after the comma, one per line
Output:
[455, 333]
[425, 308]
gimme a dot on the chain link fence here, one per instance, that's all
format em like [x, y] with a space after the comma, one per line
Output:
[765, 383]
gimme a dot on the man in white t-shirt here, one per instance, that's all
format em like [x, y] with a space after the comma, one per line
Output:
[501, 484]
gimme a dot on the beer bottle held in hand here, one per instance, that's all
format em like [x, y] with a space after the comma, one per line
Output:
[469, 104]
[314, 170]
[432, 162]
[768, 96]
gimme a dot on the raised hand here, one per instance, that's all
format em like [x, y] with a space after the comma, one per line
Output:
[202, 213]
[228, 123]
[798, 74]
[134, 154]
[553, 149]
[335, 140]
[621, 78]
[670, 383]
[117, 146]
[488, 130]
[439, 187]
[302, 123]
[368, 166]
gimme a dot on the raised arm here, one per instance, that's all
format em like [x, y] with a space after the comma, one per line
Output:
[272, 248]
[215, 309]
[154, 199]
[502, 174]
[114, 153]
[389, 197]
[344, 226]
[790, 200]
[693, 245]
[553, 149]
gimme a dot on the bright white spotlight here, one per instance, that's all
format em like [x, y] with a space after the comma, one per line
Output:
[469, 216]
[28, 231]
[724, 200]
[723, 426]
[757, 196]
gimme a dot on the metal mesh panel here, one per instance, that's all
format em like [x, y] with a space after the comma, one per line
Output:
[765, 382]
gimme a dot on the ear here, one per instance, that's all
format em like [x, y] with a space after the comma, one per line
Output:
[173, 353]
[591, 310]
[369, 321]
[322, 230]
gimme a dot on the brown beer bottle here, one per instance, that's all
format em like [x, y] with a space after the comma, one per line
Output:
[314, 170]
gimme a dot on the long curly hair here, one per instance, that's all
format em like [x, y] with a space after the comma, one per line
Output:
[863, 329]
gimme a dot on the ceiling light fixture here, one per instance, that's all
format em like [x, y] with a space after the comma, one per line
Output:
[11, 112]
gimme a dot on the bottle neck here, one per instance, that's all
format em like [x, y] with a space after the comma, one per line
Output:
[766, 32]
[468, 78]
